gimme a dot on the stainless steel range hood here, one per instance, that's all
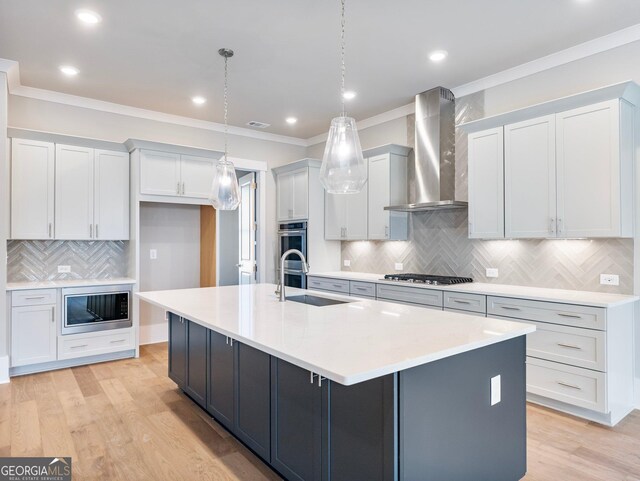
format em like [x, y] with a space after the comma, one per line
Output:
[433, 176]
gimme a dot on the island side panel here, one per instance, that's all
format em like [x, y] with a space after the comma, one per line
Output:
[363, 430]
[448, 428]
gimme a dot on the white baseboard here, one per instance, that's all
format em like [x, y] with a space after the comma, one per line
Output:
[4, 369]
[153, 333]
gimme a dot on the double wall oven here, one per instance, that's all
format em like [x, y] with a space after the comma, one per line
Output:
[89, 309]
[293, 236]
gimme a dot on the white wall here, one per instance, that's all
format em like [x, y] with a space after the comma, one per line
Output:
[4, 224]
[228, 247]
[174, 231]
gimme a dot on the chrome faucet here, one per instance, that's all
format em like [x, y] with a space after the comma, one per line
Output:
[305, 269]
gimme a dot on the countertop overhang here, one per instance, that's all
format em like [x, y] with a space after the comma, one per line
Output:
[346, 343]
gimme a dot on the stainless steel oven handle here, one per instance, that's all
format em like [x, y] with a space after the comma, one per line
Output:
[288, 232]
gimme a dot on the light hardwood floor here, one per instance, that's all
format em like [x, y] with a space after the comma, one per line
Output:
[125, 420]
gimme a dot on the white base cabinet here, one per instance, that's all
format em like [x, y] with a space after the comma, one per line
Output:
[33, 334]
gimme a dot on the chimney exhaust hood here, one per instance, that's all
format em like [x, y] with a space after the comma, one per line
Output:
[434, 170]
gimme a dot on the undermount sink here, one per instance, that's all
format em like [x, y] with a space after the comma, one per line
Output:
[315, 300]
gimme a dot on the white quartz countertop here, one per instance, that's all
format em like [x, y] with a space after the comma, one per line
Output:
[21, 286]
[566, 296]
[346, 343]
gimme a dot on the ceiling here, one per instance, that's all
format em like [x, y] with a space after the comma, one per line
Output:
[157, 54]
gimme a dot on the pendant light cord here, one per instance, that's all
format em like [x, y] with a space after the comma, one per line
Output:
[226, 108]
[343, 67]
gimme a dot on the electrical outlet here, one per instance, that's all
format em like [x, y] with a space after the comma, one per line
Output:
[496, 390]
[609, 279]
[64, 269]
[346, 263]
[399, 266]
[491, 272]
[153, 254]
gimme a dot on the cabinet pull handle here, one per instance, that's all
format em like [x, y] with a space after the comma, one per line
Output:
[361, 288]
[458, 301]
[571, 386]
[96, 231]
[50, 228]
[79, 346]
[559, 225]
[320, 379]
[509, 308]
[183, 189]
[571, 316]
[569, 346]
[311, 377]
[34, 297]
[53, 314]
[166, 315]
[117, 340]
[178, 188]
[386, 231]
[231, 341]
[337, 286]
[552, 225]
[90, 231]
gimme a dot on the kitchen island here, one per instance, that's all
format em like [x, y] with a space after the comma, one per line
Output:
[360, 390]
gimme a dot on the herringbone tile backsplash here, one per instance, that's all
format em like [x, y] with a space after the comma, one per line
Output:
[439, 244]
[39, 260]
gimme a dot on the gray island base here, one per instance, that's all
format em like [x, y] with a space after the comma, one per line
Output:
[432, 422]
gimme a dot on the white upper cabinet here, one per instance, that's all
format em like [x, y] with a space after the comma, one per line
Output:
[197, 176]
[345, 216]
[387, 186]
[486, 184]
[292, 195]
[530, 178]
[175, 175]
[74, 192]
[111, 194]
[32, 189]
[160, 173]
[595, 170]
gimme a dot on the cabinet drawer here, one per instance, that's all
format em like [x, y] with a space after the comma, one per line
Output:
[81, 345]
[325, 284]
[364, 289]
[33, 298]
[572, 385]
[569, 345]
[566, 314]
[412, 295]
[466, 302]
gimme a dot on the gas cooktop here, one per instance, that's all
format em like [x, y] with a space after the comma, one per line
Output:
[428, 279]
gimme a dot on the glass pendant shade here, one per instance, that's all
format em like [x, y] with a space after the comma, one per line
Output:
[343, 169]
[225, 193]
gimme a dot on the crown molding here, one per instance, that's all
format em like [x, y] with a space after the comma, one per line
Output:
[571, 54]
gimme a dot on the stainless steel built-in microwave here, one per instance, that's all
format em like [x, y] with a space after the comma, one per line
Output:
[89, 309]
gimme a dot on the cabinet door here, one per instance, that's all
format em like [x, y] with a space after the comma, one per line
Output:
[357, 214]
[588, 157]
[177, 350]
[197, 176]
[221, 397]
[196, 382]
[253, 399]
[335, 216]
[32, 189]
[33, 335]
[530, 178]
[74, 192]
[284, 193]
[300, 205]
[159, 173]
[379, 194]
[486, 184]
[297, 415]
[111, 194]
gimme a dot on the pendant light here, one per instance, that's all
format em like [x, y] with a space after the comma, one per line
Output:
[225, 192]
[343, 169]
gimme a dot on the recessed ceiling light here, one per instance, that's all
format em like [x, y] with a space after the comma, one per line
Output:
[69, 71]
[198, 100]
[291, 120]
[438, 56]
[88, 17]
[349, 94]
